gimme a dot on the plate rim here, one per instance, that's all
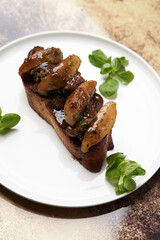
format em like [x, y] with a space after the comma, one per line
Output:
[25, 193]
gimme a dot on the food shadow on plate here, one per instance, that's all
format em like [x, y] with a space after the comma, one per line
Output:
[8, 132]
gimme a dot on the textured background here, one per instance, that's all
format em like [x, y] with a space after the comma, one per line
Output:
[134, 23]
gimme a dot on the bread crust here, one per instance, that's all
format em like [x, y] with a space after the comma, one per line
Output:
[93, 159]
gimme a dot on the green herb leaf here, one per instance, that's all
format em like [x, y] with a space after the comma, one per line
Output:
[109, 60]
[117, 66]
[129, 167]
[129, 184]
[114, 68]
[120, 172]
[109, 87]
[98, 58]
[9, 120]
[80, 124]
[137, 171]
[113, 181]
[124, 61]
[116, 171]
[120, 189]
[52, 84]
[125, 77]
[112, 158]
[106, 68]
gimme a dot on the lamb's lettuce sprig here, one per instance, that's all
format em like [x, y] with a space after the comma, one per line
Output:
[8, 121]
[120, 172]
[114, 71]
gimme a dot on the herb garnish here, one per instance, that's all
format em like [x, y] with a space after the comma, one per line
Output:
[8, 120]
[52, 84]
[120, 173]
[71, 63]
[81, 124]
[115, 70]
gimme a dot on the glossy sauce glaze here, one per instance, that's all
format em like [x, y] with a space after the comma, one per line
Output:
[71, 99]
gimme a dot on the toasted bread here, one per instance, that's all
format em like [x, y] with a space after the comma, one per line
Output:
[41, 103]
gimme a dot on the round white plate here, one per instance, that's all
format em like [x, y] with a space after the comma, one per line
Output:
[33, 161]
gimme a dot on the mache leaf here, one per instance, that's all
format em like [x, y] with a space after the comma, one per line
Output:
[97, 58]
[126, 76]
[9, 120]
[109, 87]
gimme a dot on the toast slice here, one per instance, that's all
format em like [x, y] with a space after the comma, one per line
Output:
[91, 160]
[45, 74]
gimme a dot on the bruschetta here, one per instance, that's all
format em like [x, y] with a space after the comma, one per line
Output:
[61, 96]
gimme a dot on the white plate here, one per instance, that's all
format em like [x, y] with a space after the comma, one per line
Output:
[35, 164]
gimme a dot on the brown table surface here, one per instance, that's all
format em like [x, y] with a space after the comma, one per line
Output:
[134, 23]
